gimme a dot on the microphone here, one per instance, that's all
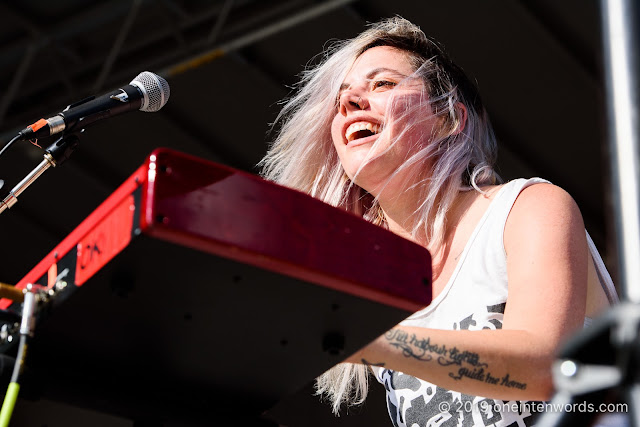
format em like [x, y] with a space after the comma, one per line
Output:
[147, 92]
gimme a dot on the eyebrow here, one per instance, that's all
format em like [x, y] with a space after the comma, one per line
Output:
[371, 74]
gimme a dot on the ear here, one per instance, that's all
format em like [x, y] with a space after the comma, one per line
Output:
[461, 112]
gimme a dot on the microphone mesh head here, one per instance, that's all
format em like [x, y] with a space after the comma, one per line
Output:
[155, 90]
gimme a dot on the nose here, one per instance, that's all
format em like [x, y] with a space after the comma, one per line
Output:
[351, 100]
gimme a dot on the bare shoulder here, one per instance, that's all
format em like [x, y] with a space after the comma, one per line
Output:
[543, 199]
[543, 210]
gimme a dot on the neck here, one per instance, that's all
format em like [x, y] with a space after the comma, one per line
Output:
[401, 216]
[400, 213]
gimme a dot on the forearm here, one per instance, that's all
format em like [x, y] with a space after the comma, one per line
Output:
[501, 364]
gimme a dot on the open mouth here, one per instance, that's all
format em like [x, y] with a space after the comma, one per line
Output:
[359, 130]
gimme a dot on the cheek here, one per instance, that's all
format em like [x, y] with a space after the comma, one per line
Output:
[411, 120]
[336, 132]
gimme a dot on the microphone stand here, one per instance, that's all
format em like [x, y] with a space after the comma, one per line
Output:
[56, 154]
[601, 363]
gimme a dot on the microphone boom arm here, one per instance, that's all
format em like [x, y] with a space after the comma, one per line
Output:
[56, 154]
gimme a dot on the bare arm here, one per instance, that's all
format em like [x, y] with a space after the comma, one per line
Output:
[547, 271]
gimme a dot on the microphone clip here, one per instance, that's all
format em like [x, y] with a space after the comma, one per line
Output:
[56, 154]
[60, 151]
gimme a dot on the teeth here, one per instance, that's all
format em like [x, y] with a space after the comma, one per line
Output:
[358, 126]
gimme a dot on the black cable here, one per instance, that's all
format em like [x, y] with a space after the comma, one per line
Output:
[9, 144]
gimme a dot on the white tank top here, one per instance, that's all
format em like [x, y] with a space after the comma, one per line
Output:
[473, 299]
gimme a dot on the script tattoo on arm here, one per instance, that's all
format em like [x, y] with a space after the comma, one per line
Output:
[465, 364]
[411, 346]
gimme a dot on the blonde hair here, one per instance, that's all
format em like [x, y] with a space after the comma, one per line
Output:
[460, 156]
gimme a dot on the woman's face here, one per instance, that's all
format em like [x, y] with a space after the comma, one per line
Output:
[372, 100]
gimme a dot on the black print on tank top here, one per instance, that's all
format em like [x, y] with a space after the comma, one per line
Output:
[426, 405]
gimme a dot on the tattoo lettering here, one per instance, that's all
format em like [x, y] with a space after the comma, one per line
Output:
[457, 357]
[491, 379]
[468, 363]
[475, 374]
[510, 383]
[412, 346]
